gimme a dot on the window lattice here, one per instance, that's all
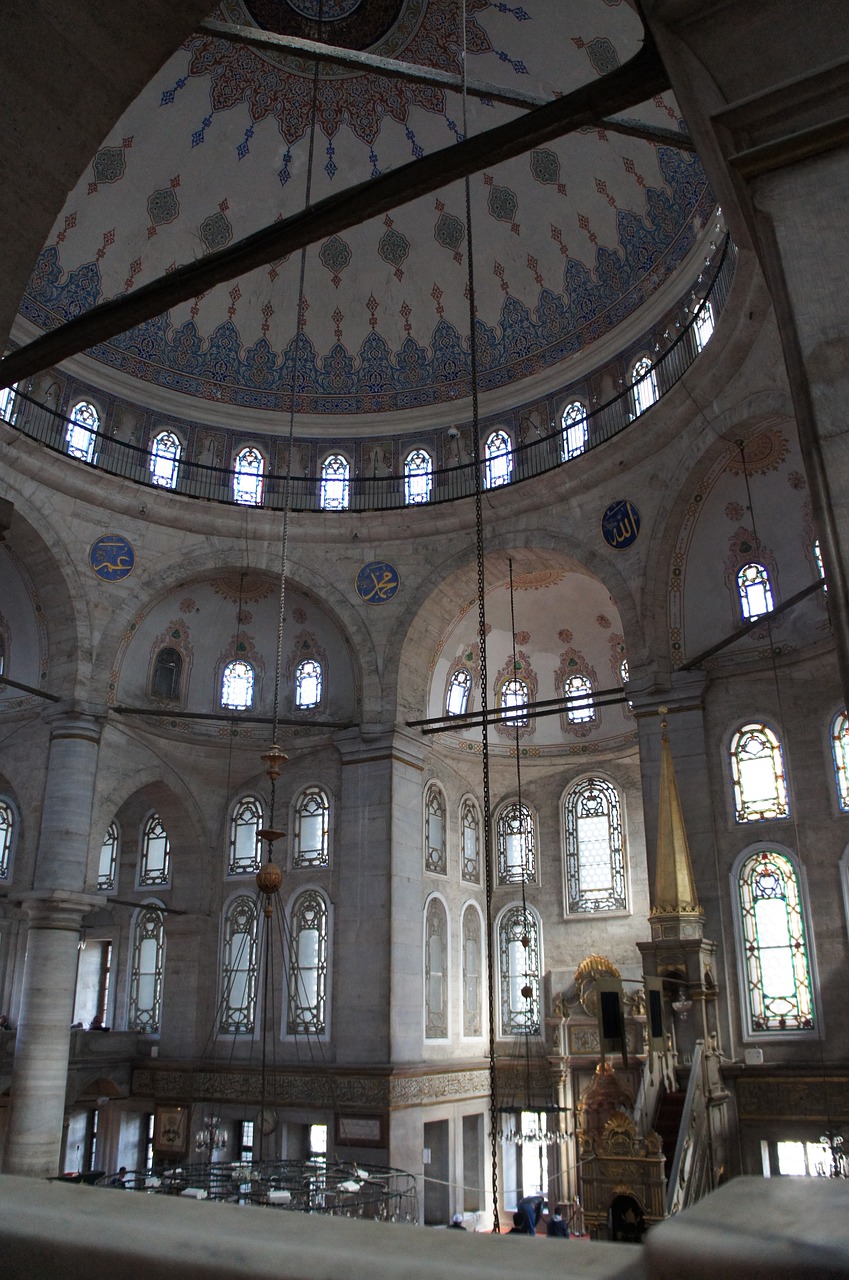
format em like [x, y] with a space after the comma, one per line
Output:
[471, 843]
[418, 476]
[7, 833]
[108, 865]
[155, 860]
[237, 686]
[595, 859]
[778, 975]
[498, 455]
[514, 694]
[818, 560]
[840, 755]
[165, 459]
[459, 688]
[308, 966]
[703, 325]
[312, 827]
[755, 591]
[757, 773]
[582, 709]
[436, 971]
[335, 483]
[245, 850]
[146, 972]
[516, 845]
[643, 385]
[308, 683]
[81, 435]
[167, 674]
[435, 856]
[518, 952]
[239, 968]
[472, 968]
[574, 430]
[248, 477]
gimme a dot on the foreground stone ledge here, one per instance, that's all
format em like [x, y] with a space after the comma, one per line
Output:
[50, 1231]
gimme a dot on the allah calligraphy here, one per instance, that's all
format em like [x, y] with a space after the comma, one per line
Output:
[112, 557]
[620, 524]
[377, 582]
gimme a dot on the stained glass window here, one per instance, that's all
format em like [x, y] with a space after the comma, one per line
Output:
[574, 430]
[755, 591]
[518, 952]
[165, 459]
[81, 435]
[778, 975]
[757, 773]
[7, 835]
[108, 865]
[167, 673]
[155, 860]
[418, 476]
[435, 856]
[248, 477]
[245, 851]
[703, 325]
[312, 829]
[470, 841]
[239, 968]
[840, 755]
[335, 483]
[308, 683]
[581, 710]
[436, 971]
[237, 686]
[146, 971]
[516, 845]
[595, 858]
[623, 671]
[643, 385]
[514, 693]
[308, 966]
[498, 454]
[472, 969]
[459, 688]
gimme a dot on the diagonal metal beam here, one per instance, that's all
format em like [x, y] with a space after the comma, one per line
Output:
[355, 60]
[640, 78]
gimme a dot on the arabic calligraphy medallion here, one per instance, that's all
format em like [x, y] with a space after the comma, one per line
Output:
[377, 582]
[620, 524]
[112, 557]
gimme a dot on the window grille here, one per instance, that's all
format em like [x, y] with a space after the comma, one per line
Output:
[335, 483]
[516, 845]
[573, 430]
[703, 326]
[435, 856]
[108, 865]
[155, 860]
[167, 674]
[459, 688]
[518, 950]
[146, 971]
[436, 971]
[514, 694]
[472, 969]
[249, 477]
[312, 828]
[595, 858]
[757, 774]
[418, 477]
[237, 686]
[581, 710]
[7, 834]
[643, 386]
[755, 591]
[308, 683]
[165, 459]
[840, 756]
[498, 456]
[470, 841]
[308, 966]
[239, 968]
[245, 851]
[777, 968]
[81, 434]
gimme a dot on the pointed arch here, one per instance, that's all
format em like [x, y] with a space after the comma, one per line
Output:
[436, 978]
[239, 965]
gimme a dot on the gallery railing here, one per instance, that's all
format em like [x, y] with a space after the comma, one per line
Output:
[557, 448]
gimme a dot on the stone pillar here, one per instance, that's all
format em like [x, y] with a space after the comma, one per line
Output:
[55, 910]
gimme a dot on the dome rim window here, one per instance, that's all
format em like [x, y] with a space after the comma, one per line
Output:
[84, 450]
[9, 828]
[249, 462]
[335, 489]
[574, 430]
[495, 474]
[165, 475]
[418, 480]
[247, 701]
[745, 591]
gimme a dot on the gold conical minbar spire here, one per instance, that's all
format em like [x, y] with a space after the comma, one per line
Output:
[674, 887]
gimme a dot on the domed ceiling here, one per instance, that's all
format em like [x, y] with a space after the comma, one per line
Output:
[569, 239]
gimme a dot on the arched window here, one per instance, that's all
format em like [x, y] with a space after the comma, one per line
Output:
[516, 845]
[245, 850]
[167, 674]
[643, 386]
[2, 655]
[108, 866]
[237, 686]
[817, 549]
[573, 430]
[498, 456]
[7, 402]
[623, 671]
[155, 859]
[148, 952]
[165, 453]
[81, 434]
[312, 829]
[248, 477]
[308, 683]
[840, 755]
[418, 476]
[435, 856]
[514, 693]
[335, 483]
[582, 709]
[777, 971]
[470, 841]
[7, 836]
[239, 968]
[308, 966]
[519, 966]
[472, 971]
[436, 971]
[459, 689]
[595, 857]
[755, 591]
[703, 325]
[757, 772]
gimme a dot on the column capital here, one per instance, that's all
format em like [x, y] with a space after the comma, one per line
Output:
[56, 909]
[66, 721]
[682, 691]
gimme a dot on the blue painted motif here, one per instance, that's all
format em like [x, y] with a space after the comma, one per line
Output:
[377, 582]
[112, 557]
[620, 524]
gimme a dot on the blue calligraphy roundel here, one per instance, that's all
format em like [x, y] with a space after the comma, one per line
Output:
[112, 557]
[377, 582]
[620, 524]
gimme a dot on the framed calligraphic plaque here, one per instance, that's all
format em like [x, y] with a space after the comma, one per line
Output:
[360, 1131]
[171, 1130]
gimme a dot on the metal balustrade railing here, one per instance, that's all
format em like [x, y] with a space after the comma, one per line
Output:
[530, 458]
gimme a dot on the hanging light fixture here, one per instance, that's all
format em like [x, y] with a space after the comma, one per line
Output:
[212, 1136]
